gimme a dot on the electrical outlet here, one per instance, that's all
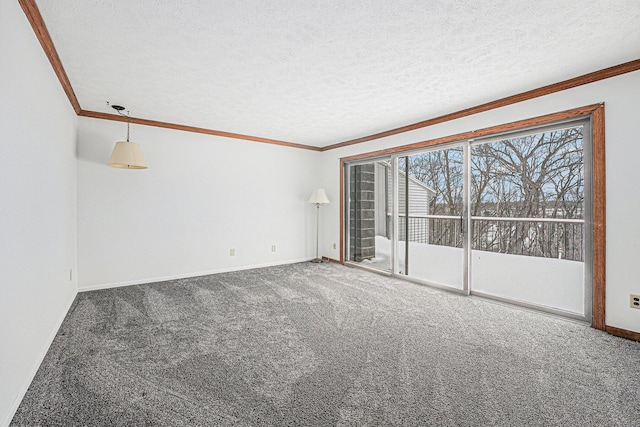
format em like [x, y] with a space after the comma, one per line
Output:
[273, 248]
[334, 246]
[71, 274]
[634, 301]
[232, 252]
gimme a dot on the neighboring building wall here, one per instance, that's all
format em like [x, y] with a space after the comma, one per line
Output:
[383, 201]
[362, 212]
[419, 196]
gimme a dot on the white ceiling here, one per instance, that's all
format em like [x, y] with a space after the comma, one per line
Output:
[321, 72]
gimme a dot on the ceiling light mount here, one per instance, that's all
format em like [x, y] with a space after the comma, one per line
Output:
[126, 154]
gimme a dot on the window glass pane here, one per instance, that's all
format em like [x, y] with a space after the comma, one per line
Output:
[370, 214]
[431, 206]
[527, 219]
[534, 176]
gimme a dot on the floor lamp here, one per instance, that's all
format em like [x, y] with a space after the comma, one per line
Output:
[319, 197]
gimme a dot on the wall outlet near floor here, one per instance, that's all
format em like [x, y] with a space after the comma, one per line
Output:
[634, 301]
[71, 274]
[334, 246]
[232, 252]
[273, 248]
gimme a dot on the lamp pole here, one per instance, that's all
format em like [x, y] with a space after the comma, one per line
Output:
[317, 258]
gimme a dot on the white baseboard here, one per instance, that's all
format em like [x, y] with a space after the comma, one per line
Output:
[16, 403]
[186, 275]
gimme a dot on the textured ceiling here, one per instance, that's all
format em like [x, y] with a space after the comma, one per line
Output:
[321, 72]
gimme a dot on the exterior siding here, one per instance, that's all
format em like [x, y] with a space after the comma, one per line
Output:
[419, 196]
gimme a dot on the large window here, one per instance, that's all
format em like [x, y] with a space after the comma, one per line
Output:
[502, 215]
[527, 218]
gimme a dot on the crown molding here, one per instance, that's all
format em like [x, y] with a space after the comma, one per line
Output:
[40, 29]
[193, 129]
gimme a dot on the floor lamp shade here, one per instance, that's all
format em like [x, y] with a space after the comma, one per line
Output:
[319, 197]
[127, 155]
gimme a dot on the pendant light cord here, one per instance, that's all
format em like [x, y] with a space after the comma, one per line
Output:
[128, 116]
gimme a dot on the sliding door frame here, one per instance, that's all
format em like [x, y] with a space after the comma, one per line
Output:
[595, 114]
[345, 206]
[585, 123]
[466, 211]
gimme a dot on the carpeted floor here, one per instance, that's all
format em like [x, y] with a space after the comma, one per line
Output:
[309, 344]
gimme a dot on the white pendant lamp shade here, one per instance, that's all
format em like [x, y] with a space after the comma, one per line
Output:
[319, 196]
[127, 155]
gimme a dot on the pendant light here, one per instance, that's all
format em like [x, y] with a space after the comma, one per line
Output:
[126, 154]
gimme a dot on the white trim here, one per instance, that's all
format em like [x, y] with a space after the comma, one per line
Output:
[16, 403]
[186, 275]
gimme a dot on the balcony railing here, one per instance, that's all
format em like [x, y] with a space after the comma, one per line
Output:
[540, 237]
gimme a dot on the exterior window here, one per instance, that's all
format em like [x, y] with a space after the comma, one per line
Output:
[499, 216]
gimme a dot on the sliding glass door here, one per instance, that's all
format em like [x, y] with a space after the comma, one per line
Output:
[500, 216]
[369, 213]
[528, 219]
[431, 204]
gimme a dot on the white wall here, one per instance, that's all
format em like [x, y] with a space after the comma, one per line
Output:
[38, 210]
[621, 96]
[201, 196]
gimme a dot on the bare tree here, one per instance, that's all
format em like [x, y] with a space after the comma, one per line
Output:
[443, 172]
[532, 176]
